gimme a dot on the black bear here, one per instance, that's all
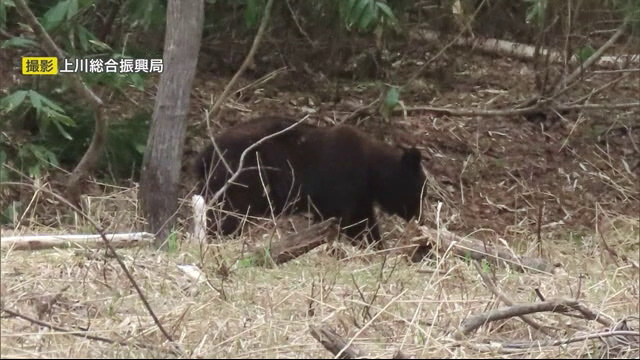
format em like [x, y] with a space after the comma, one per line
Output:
[246, 195]
[332, 171]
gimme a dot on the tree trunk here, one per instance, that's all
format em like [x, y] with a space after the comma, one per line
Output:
[162, 159]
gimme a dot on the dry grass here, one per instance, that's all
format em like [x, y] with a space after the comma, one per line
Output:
[382, 305]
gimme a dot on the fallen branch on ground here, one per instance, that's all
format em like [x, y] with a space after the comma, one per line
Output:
[592, 336]
[523, 51]
[39, 242]
[554, 305]
[477, 250]
[631, 348]
[515, 111]
[494, 289]
[335, 343]
[293, 245]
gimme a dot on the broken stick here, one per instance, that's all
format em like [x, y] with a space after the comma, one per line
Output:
[293, 245]
[335, 343]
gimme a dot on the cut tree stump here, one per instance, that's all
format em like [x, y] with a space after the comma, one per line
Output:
[40, 242]
[294, 245]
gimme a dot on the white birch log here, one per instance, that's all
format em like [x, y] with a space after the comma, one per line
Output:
[524, 51]
[39, 242]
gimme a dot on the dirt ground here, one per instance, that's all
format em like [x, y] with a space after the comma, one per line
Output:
[571, 180]
[494, 173]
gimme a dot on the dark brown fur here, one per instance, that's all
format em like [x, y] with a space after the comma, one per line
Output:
[336, 171]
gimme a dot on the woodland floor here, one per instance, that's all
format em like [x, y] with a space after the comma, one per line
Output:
[494, 173]
[494, 176]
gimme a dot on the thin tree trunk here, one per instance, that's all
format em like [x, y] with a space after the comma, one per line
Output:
[162, 159]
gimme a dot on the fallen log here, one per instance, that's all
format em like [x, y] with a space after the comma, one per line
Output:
[473, 323]
[40, 242]
[476, 250]
[524, 51]
[293, 246]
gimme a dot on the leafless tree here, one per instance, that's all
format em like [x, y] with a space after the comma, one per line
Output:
[162, 159]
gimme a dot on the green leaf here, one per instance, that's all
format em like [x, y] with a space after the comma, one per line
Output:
[52, 158]
[140, 148]
[368, 18]
[351, 5]
[392, 98]
[43, 154]
[61, 118]
[3, 16]
[137, 81]
[246, 262]
[62, 130]
[46, 101]
[18, 41]
[99, 45]
[10, 212]
[83, 37]
[386, 10]
[252, 12]
[584, 53]
[388, 13]
[10, 102]
[4, 174]
[4, 4]
[36, 102]
[172, 242]
[536, 13]
[52, 18]
[72, 10]
[34, 171]
[362, 8]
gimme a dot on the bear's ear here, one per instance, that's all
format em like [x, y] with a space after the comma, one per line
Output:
[411, 157]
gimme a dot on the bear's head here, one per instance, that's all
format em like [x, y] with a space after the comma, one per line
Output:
[404, 185]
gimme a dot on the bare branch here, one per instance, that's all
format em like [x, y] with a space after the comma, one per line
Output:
[631, 105]
[592, 336]
[215, 110]
[553, 305]
[335, 343]
[591, 60]
[293, 245]
[237, 173]
[494, 289]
